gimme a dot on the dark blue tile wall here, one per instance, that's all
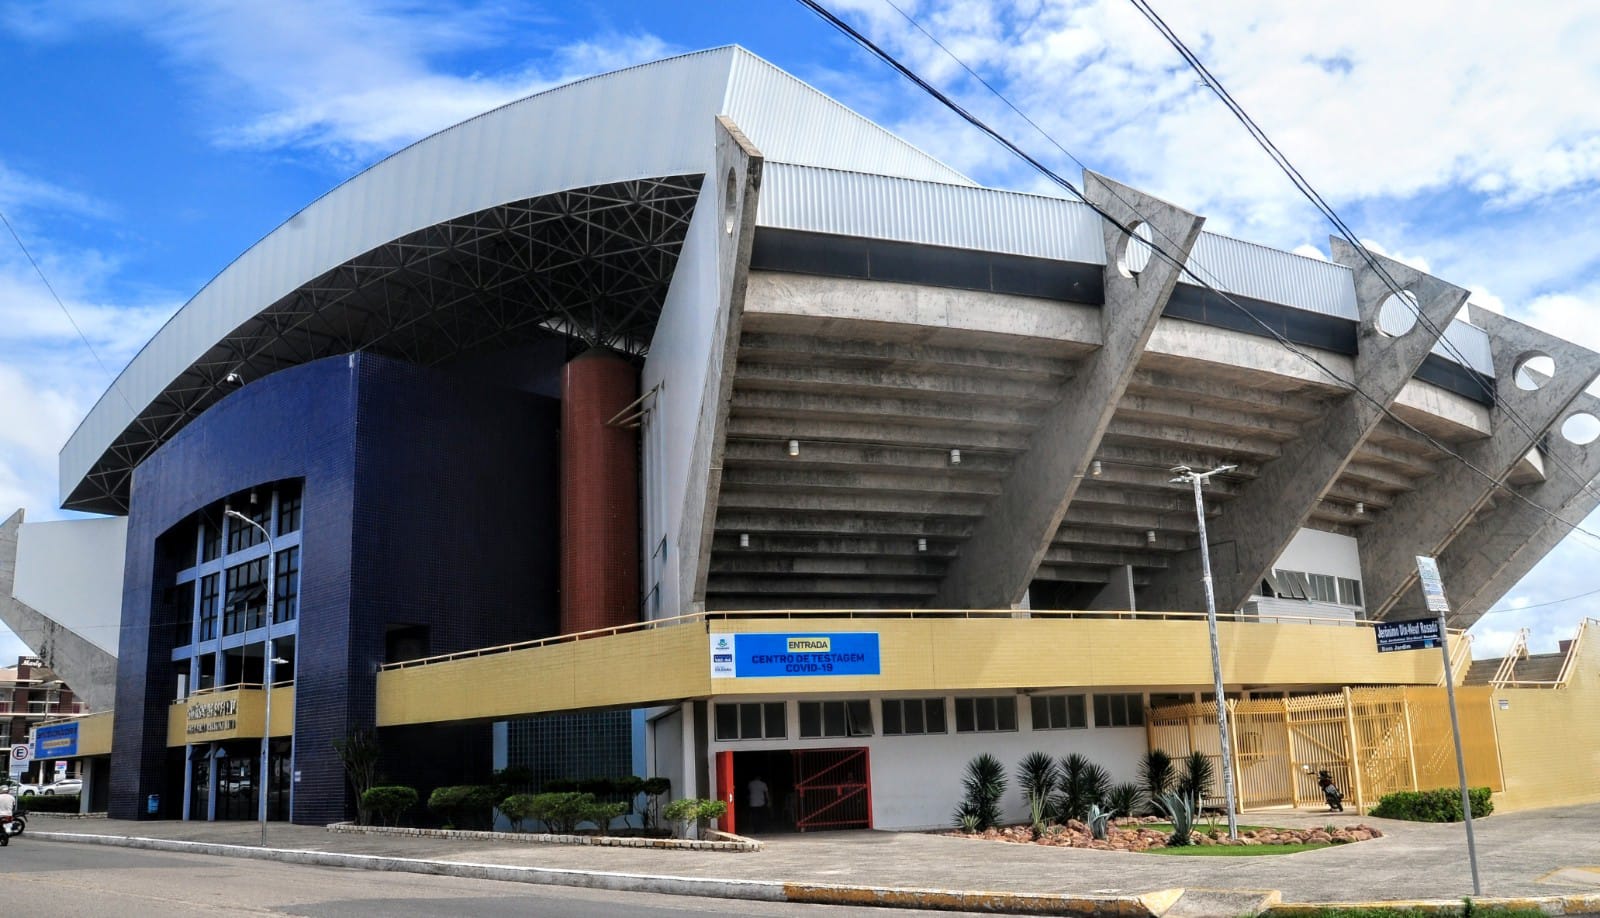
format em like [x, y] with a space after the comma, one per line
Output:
[429, 500]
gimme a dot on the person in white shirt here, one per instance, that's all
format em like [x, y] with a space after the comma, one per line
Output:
[8, 808]
[760, 804]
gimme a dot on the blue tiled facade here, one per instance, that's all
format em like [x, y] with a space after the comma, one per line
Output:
[429, 503]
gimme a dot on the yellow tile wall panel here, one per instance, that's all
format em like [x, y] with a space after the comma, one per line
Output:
[1550, 737]
[245, 722]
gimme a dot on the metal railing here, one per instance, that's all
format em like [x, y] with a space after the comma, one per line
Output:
[871, 614]
[234, 687]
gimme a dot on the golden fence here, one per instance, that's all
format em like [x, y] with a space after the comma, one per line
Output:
[1373, 741]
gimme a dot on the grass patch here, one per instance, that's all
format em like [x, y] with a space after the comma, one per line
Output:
[1477, 912]
[1252, 851]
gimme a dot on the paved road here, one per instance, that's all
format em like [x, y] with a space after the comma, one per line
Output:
[45, 880]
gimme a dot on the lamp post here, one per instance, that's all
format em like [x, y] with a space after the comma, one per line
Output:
[267, 660]
[1186, 474]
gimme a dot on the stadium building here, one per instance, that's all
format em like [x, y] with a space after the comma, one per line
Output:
[682, 421]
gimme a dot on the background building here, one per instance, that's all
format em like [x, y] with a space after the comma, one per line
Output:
[725, 348]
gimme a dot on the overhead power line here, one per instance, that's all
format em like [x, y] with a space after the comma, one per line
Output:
[1157, 249]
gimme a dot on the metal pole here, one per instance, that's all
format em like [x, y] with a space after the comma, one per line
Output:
[1461, 759]
[266, 671]
[1196, 479]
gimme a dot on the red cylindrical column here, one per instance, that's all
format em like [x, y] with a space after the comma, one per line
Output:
[599, 495]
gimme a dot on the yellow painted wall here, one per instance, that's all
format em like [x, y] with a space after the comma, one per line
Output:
[248, 719]
[94, 734]
[1550, 737]
[918, 654]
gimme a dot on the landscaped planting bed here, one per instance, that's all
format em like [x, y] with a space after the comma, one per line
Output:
[1150, 833]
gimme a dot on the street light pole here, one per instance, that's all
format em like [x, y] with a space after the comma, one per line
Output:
[267, 659]
[1186, 474]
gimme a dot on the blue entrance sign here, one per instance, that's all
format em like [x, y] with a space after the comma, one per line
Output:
[848, 653]
[1418, 634]
[56, 741]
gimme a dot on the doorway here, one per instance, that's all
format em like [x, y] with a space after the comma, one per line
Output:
[809, 790]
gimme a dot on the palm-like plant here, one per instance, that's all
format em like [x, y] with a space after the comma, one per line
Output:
[1198, 774]
[1038, 776]
[984, 785]
[1156, 773]
[1083, 784]
[1125, 799]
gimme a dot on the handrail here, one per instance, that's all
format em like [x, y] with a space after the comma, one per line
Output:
[1572, 651]
[850, 614]
[1508, 663]
[233, 687]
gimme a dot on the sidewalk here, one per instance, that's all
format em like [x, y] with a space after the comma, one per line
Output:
[1538, 853]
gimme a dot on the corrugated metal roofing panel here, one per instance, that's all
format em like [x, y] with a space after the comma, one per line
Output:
[1262, 273]
[964, 217]
[784, 117]
[1472, 343]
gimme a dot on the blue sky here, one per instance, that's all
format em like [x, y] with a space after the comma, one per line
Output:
[144, 144]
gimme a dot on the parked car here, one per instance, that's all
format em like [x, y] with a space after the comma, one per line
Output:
[22, 790]
[65, 786]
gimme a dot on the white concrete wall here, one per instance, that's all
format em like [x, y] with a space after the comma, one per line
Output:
[679, 361]
[666, 734]
[916, 780]
[71, 571]
[1317, 552]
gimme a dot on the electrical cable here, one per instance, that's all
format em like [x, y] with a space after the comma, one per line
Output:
[1495, 482]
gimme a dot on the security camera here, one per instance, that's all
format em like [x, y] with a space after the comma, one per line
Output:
[233, 379]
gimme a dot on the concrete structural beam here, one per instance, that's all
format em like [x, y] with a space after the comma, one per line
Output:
[999, 561]
[1505, 542]
[1423, 521]
[90, 671]
[1265, 515]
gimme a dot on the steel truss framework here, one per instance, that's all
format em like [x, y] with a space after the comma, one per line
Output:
[592, 264]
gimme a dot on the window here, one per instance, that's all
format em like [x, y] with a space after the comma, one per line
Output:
[183, 614]
[286, 591]
[246, 604]
[210, 540]
[751, 720]
[1323, 588]
[913, 716]
[1059, 712]
[288, 509]
[208, 607]
[1291, 585]
[835, 718]
[1118, 711]
[992, 714]
[1349, 592]
[242, 535]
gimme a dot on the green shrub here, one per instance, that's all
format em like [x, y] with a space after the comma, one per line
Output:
[1439, 805]
[1195, 783]
[1177, 810]
[465, 806]
[389, 801]
[1157, 775]
[1083, 785]
[653, 789]
[686, 810]
[53, 803]
[562, 811]
[984, 785]
[603, 814]
[1125, 799]
[600, 787]
[559, 785]
[518, 808]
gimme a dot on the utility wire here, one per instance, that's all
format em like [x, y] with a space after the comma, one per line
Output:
[65, 311]
[1311, 194]
[887, 58]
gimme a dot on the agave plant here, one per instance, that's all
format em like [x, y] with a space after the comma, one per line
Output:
[1125, 799]
[1083, 784]
[1178, 812]
[984, 785]
[1157, 775]
[1195, 783]
[1098, 820]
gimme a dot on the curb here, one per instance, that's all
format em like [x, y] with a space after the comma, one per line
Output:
[1582, 904]
[1147, 906]
[729, 842]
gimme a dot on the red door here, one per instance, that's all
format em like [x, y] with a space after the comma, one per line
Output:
[725, 787]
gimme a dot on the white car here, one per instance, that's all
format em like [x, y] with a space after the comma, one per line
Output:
[22, 790]
[66, 786]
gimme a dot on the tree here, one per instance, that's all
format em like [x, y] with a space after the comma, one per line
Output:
[359, 753]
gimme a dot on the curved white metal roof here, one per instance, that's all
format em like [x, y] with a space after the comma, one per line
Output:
[653, 120]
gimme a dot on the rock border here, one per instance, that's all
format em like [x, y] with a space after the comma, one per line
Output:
[724, 841]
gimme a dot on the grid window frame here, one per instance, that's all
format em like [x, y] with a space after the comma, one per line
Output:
[750, 720]
[1119, 709]
[914, 717]
[1060, 712]
[1350, 592]
[986, 714]
[829, 719]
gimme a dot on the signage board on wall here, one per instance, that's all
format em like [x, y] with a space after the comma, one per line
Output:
[837, 653]
[57, 740]
[1417, 634]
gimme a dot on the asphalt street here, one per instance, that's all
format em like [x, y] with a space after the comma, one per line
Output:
[45, 880]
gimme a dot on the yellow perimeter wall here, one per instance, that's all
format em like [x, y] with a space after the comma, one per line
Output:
[918, 654]
[1550, 737]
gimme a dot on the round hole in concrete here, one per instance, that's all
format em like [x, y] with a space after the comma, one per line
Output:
[1398, 314]
[1581, 428]
[1534, 371]
[1136, 251]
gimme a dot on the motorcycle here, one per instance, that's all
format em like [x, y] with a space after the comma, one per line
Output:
[9, 826]
[1331, 792]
